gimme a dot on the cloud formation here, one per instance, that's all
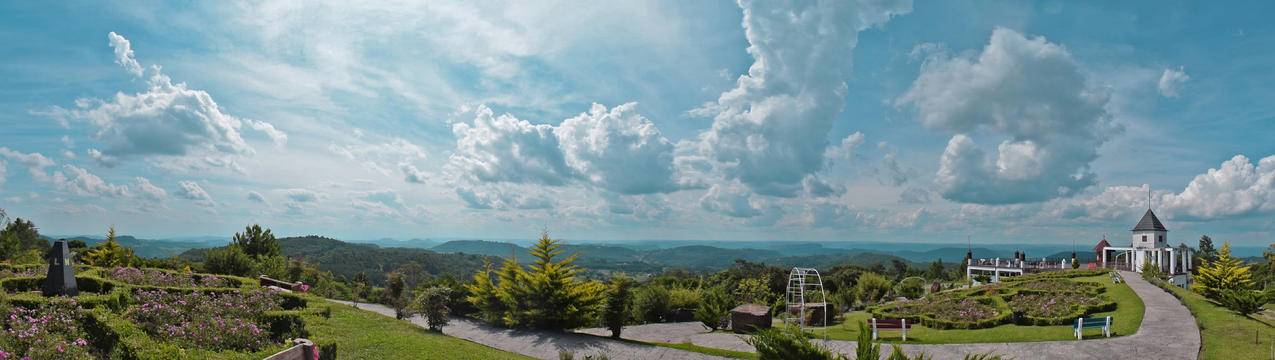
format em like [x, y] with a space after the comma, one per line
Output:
[616, 150]
[191, 190]
[167, 120]
[124, 54]
[1032, 93]
[149, 191]
[1236, 188]
[771, 130]
[1171, 82]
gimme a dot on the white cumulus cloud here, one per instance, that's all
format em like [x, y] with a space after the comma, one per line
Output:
[124, 54]
[771, 130]
[167, 120]
[1028, 91]
[191, 190]
[1236, 188]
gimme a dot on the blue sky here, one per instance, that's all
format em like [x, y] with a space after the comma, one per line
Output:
[1022, 122]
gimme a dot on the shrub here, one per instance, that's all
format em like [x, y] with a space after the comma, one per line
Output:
[651, 303]
[865, 347]
[872, 287]
[754, 290]
[683, 298]
[1243, 301]
[205, 320]
[912, 287]
[53, 330]
[616, 310]
[155, 277]
[714, 306]
[431, 303]
[109, 253]
[229, 260]
[789, 343]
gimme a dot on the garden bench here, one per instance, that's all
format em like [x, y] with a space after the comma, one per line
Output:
[890, 324]
[1083, 323]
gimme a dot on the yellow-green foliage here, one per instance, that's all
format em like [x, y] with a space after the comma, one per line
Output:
[1226, 273]
[683, 298]
[545, 294]
[109, 253]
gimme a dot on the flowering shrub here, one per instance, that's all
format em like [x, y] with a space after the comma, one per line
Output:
[226, 321]
[153, 277]
[51, 331]
[1049, 305]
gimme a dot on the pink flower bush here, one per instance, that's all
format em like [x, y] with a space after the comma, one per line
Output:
[224, 321]
[1049, 305]
[153, 277]
[51, 331]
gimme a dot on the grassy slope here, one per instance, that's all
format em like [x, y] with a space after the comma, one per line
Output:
[1226, 335]
[365, 335]
[1127, 318]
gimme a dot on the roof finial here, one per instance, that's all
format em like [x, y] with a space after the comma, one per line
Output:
[1148, 197]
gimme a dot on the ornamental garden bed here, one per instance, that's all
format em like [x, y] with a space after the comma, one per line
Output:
[148, 314]
[1045, 299]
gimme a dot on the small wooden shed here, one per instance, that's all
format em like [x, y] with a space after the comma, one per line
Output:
[750, 317]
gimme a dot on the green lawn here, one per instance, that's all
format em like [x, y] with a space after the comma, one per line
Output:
[1127, 318]
[1225, 334]
[707, 350]
[362, 334]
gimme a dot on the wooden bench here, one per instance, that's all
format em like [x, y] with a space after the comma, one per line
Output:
[1083, 323]
[890, 324]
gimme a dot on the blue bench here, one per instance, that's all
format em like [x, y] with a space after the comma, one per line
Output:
[1083, 323]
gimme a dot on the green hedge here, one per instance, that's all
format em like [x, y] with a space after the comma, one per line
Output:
[287, 324]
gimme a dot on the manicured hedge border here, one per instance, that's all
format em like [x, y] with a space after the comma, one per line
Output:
[103, 299]
[998, 297]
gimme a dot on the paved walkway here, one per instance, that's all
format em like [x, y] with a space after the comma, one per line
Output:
[1168, 331]
[545, 344]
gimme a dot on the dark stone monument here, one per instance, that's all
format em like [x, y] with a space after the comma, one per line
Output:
[61, 278]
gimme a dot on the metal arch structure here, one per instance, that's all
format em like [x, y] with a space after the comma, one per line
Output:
[805, 292]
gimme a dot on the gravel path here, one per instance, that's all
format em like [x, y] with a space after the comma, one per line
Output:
[544, 344]
[1168, 331]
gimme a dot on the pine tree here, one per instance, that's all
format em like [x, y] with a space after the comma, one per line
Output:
[616, 312]
[109, 253]
[544, 295]
[485, 296]
[1226, 273]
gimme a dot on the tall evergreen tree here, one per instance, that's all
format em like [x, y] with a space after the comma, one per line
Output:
[257, 242]
[1207, 252]
[484, 295]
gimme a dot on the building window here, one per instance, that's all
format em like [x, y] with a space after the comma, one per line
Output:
[1144, 238]
[1161, 238]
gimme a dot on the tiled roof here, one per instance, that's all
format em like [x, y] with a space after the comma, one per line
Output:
[1149, 222]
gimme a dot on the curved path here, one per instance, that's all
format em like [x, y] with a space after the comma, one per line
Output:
[544, 344]
[1168, 331]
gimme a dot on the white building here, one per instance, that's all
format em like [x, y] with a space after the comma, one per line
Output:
[1149, 246]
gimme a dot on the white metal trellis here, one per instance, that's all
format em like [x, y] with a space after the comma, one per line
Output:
[804, 286]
